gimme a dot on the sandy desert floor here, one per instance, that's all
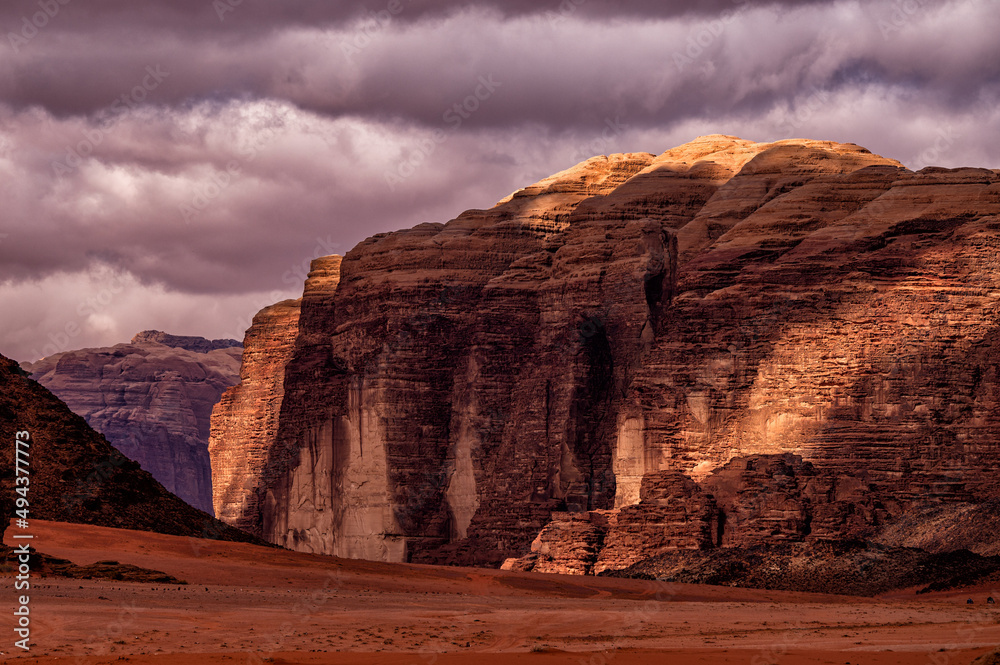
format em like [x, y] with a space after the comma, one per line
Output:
[248, 604]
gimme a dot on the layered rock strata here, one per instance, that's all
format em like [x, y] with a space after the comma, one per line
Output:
[750, 502]
[152, 399]
[673, 513]
[245, 422]
[801, 321]
[77, 476]
[190, 343]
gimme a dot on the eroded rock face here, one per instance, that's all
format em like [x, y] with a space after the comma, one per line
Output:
[782, 498]
[245, 421]
[152, 399]
[673, 514]
[568, 545]
[196, 344]
[756, 501]
[801, 320]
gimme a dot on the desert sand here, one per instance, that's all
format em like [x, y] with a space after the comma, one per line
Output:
[245, 603]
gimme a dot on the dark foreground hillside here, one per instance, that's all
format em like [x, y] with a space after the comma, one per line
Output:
[77, 476]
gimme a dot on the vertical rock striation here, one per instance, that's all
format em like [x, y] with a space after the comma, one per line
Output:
[244, 424]
[726, 344]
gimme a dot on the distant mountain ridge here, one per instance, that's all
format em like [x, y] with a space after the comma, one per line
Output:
[152, 399]
[77, 476]
[196, 344]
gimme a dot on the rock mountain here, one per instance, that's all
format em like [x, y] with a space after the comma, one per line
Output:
[728, 344]
[77, 476]
[152, 399]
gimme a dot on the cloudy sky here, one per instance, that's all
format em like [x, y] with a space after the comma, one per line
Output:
[176, 164]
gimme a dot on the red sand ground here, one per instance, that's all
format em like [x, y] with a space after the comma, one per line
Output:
[248, 604]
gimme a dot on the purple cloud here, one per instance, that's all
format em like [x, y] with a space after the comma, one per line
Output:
[205, 159]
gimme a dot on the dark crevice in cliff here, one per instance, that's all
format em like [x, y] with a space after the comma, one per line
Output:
[593, 406]
[720, 528]
[653, 288]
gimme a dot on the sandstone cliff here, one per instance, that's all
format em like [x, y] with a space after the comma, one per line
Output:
[727, 344]
[77, 476]
[152, 399]
[245, 422]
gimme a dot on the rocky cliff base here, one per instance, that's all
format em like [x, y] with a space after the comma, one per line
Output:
[849, 568]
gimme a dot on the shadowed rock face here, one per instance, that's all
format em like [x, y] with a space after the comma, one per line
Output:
[847, 567]
[152, 399]
[798, 338]
[77, 476]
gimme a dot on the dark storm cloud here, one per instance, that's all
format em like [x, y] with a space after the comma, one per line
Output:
[158, 201]
[202, 162]
[252, 17]
[566, 73]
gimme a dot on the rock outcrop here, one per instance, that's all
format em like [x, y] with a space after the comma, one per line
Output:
[568, 545]
[799, 337]
[673, 514]
[849, 567]
[152, 399]
[763, 500]
[782, 498]
[245, 422]
[77, 476]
